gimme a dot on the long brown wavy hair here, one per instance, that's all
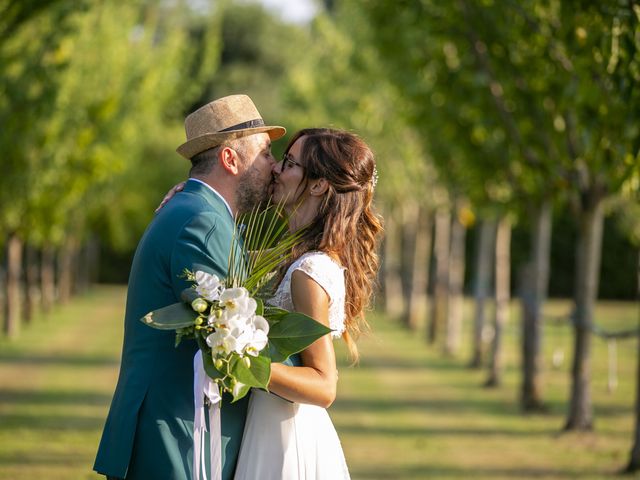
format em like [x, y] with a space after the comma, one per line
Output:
[346, 227]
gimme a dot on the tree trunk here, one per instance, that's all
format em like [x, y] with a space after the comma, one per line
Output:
[393, 300]
[47, 277]
[14, 270]
[589, 245]
[83, 267]
[31, 289]
[456, 287]
[76, 259]
[66, 270]
[408, 244]
[441, 285]
[503, 298]
[93, 256]
[484, 258]
[533, 295]
[634, 457]
[3, 287]
[417, 304]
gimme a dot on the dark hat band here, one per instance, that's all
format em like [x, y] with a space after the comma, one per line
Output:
[258, 122]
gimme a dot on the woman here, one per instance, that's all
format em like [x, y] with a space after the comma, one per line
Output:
[325, 181]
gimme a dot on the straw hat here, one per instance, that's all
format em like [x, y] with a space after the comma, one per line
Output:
[223, 119]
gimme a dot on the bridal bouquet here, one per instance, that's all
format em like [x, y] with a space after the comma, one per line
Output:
[238, 334]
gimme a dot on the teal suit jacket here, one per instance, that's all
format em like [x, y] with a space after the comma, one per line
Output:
[149, 429]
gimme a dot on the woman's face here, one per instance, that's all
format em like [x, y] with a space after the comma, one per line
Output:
[289, 174]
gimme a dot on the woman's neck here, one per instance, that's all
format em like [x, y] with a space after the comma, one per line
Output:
[303, 214]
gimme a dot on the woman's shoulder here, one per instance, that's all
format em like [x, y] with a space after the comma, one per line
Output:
[324, 270]
[317, 262]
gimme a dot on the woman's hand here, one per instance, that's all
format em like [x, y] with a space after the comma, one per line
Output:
[175, 189]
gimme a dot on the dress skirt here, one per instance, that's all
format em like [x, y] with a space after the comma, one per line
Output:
[289, 441]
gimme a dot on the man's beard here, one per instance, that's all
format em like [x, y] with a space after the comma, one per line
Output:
[252, 191]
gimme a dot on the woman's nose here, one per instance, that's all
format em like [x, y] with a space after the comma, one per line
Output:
[277, 168]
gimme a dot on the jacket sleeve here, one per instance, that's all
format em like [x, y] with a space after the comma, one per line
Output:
[203, 244]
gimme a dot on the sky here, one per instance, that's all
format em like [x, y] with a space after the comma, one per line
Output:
[296, 11]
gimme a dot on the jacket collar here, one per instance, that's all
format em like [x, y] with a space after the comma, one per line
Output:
[209, 193]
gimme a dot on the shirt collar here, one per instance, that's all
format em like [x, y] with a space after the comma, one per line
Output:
[226, 204]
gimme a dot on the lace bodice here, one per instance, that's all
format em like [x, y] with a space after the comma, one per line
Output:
[329, 275]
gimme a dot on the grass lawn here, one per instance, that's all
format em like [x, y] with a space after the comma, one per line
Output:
[405, 412]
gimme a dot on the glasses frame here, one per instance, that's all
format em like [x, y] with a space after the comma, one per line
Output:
[288, 162]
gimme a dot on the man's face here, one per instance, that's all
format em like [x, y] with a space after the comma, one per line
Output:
[257, 163]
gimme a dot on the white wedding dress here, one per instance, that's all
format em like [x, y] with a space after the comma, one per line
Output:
[292, 441]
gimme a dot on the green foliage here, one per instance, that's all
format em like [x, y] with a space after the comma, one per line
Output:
[258, 52]
[268, 244]
[89, 90]
[290, 333]
[341, 82]
[519, 99]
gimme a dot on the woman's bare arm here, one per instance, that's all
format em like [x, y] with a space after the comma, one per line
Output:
[315, 382]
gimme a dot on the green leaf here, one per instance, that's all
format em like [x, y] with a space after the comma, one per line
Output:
[239, 391]
[256, 375]
[188, 295]
[274, 314]
[260, 307]
[292, 333]
[209, 367]
[269, 244]
[172, 317]
[207, 359]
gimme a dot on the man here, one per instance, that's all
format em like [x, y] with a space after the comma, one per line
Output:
[149, 430]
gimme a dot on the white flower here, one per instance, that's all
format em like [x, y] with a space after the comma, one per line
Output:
[238, 328]
[222, 342]
[257, 343]
[209, 286]
[256, 338]
[260, 323]
[236, 303]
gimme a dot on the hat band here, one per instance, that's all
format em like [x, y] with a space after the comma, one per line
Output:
[258, 122]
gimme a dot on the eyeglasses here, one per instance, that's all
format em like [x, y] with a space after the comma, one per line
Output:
[289, 162]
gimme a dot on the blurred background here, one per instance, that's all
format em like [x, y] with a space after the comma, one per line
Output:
[507, 138]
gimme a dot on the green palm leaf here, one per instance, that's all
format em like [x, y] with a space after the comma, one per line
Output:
[268, 243]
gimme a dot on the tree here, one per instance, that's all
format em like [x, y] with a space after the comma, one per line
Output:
[81, 81]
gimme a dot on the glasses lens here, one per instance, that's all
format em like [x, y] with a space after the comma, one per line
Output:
[287, 162]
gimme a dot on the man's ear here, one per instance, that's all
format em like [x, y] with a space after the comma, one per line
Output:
[319, 187]
[229, 160]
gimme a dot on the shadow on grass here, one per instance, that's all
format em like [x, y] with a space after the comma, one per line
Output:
[53, 397]
[417, 431]
[59, 360]
[415, 472]
[379, 406]
[39, 457]
[39, 406]
[396, 363]
[52, 422]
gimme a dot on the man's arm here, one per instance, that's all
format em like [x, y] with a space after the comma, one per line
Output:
[203, 244]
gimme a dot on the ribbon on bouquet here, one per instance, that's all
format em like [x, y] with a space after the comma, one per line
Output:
[203, 388]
